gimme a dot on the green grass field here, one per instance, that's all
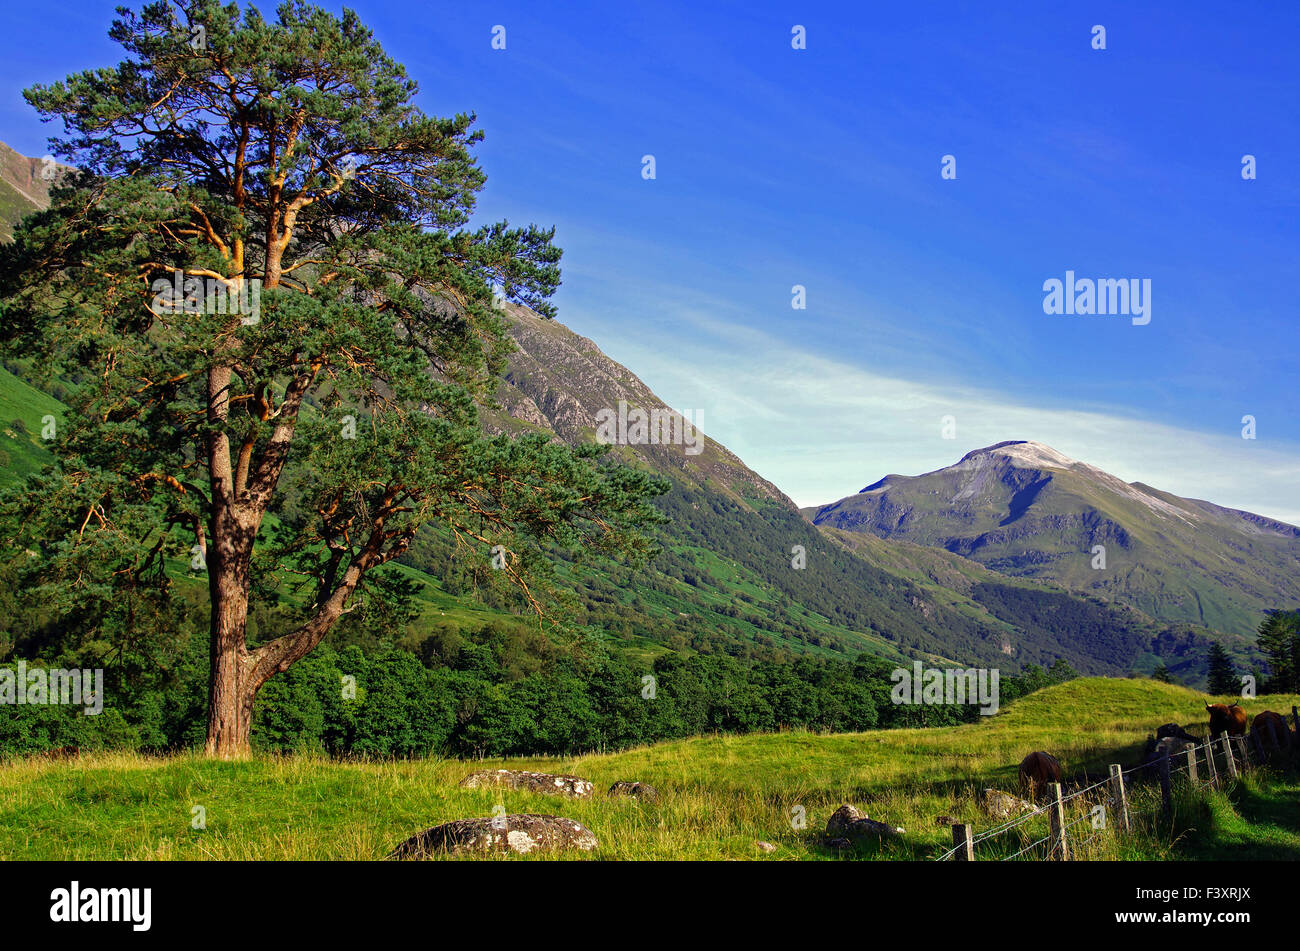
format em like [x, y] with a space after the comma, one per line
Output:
[719, 796]
[23, 410]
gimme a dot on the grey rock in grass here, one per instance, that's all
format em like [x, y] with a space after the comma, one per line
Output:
[1003, 805]
[573, 787]
[848, 822]
[1156, 749]
[637, 790]
[520, 834]
[1173, 729]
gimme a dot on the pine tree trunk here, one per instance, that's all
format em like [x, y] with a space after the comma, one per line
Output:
[231, 690]
[230, 699]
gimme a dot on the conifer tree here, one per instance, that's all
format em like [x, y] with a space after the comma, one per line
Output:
[1223, 675]
[281, 324]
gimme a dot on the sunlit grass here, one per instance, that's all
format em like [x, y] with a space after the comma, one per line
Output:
[719, 795]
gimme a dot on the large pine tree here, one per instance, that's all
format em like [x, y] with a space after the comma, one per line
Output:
[265, 284]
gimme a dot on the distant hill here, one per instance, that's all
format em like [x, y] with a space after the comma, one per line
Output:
[733, 533]
[24, 187]
[1024, 509]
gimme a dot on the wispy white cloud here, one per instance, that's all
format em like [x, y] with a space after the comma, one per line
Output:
[821, 428]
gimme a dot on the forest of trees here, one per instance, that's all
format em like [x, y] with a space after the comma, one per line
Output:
[494, 693]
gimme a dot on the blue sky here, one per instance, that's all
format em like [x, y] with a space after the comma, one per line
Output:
[821, 167]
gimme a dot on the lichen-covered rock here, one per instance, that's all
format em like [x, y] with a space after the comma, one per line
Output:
[841, 819]
[1003, 805]
[515, 833]
[765, 846]
[1156, 749]
[638, 790]
[847, 822]
[1173, 729]
[573, 787]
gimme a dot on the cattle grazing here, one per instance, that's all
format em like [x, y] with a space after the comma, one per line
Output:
[1269, 730]
[1037, 770]
[1226, 718]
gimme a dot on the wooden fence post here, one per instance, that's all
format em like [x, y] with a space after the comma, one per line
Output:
[1119, 796]
[961, 838]
[1295, 721]
[1229, 758]
[1056, 815]
[1191, 765]
[1209, 763]
[1166, 793]
[1240, 743]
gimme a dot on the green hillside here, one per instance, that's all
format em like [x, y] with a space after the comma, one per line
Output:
[728, 524]
[23, 410]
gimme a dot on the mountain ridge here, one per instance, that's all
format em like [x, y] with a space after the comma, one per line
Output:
[1026, 510]
[913, 598]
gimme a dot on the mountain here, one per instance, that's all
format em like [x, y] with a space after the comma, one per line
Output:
[1023, 509]
[24, 187]
[726, 578]
[561, 382]
[730, 547]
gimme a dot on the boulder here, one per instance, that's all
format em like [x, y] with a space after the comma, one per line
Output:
[765, 846]
[1173, 729]
[841, 819]
[573, 787]
[1003, 805]
[515, 833]
[638, 790]
[1173, 745]
[848, 822]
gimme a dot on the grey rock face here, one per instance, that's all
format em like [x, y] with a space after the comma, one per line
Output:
[635, 789]
[574, 787]
[520, 834]
[1003, 805]
[848, 822]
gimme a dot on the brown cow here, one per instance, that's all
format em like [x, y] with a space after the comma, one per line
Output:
[1269, 729]
[1037, 770]
[1226, 718]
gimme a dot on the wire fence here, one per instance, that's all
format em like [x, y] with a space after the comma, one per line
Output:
[1193, 764]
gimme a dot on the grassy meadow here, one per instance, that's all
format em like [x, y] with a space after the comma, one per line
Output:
[719, 796]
